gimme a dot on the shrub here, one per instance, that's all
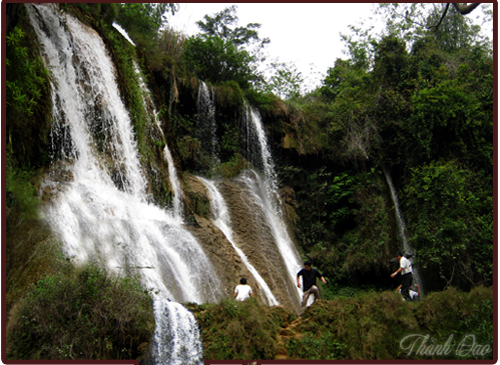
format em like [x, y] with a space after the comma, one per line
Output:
[84, 315]
[240, 330]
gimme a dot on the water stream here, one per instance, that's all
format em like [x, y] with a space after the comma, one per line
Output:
[172, 171]
[207, 125]
[265, 190]
[402, 227]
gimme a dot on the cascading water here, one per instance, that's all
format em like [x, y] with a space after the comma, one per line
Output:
[401, 225]
[207, 126]
[101, 211]
[222, 220]
[266, 192]
[172, 172]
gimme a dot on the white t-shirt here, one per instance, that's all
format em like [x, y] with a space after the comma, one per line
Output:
[243, 292]
[405, 264]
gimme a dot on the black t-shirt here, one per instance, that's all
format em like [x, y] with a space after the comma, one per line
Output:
[309, 278]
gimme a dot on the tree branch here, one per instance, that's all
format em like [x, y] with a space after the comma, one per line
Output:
[435, 27]
[465, 8]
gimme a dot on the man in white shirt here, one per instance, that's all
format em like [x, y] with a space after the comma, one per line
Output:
[406, 271]
[243, 291]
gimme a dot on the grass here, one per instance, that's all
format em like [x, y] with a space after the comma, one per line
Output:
[365, 325]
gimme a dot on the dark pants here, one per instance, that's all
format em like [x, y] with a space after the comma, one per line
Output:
[406, 281]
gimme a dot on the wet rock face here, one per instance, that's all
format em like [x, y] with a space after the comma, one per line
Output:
[251, 234]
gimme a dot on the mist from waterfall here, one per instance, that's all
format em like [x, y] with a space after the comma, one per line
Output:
[101, 212]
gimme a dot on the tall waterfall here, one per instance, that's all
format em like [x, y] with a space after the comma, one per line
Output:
[401, 225]
[207, 126]
[101, 211]
[222, 220]
[265, 190]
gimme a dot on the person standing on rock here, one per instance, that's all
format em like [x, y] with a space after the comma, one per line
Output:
[243, 291]
[309, 276]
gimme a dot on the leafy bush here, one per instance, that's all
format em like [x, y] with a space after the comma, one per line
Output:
[27, 98]
[449, 214]
[311, 347]
[372, 325]
[84, 315]
[240, 330]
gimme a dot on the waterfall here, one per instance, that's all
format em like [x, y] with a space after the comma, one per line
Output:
[172, 171]
[207, 126]
[168, 348]
[401, 225]
[124, 33]
[265, 190]
[101, 211]
[222, 220]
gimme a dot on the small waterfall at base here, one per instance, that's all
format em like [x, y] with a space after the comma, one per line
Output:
[401, 226]
[222, 221]
[99, 207]
[266, 190]
[177, 340]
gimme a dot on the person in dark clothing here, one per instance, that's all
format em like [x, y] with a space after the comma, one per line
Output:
[309, 276]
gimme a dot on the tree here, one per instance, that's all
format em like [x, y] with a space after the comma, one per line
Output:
[223, 25]
[449, 215]
[216, 60]
[142, 21]
[285, 81]
[224, 51]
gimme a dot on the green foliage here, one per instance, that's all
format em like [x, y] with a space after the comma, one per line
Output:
[27, 101]
[225, 52]
[239, 330]
[84, 315]
[142, 21]
[372, 325]
[106, 12]
[459, 315]
[223, 25]
[390, 61]
[20, 190]
[232, 167]
[286, 81]
[450, 217]
[310, 347]
[216, 60]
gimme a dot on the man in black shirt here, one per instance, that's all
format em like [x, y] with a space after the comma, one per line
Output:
[309, 276]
